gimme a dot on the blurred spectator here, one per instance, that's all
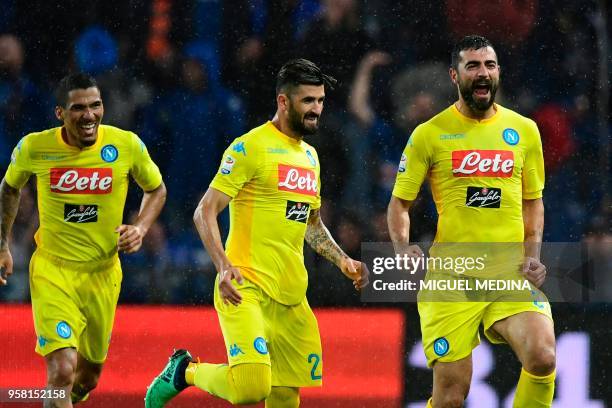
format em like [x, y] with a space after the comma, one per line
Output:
[505, 21]
[96, 52]
[598, 239]
[416, 95]
[198, 120]
[556, 131]
[336, 40]
[256, 41]
[23, 107]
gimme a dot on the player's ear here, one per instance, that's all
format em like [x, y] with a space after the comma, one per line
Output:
[59, 113]
[282, 101]
[453, 75]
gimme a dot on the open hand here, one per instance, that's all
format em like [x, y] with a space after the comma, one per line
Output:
[228, 291]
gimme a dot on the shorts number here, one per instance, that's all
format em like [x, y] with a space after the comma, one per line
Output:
[316, 359]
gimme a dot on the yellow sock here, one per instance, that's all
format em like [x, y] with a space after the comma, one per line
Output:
[283, 397]
[429, 403]
[190, 373]
[241, 384]
[534, 391]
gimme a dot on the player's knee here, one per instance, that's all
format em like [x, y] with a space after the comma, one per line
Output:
[450, 400]
[541, 361]
[253, 383]
[452, 395]
[61, 372]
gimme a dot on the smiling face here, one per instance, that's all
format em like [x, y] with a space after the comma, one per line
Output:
[304, 107]
[81, 116]
[477, 78]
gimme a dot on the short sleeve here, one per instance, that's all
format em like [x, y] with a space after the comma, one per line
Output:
[533, 169]
[20, 168]
[144, 171]
[413, 166]
[317, 204]
[238, 166]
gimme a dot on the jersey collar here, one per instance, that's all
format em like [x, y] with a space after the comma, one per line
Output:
[281, 135]
[62, 143]
[498, 109]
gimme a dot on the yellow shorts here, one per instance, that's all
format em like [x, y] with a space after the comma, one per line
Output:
[450, 330]
[73, 304]
[261, 330]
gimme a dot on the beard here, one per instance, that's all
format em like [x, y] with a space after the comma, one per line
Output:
[296, 123]
[467, 92]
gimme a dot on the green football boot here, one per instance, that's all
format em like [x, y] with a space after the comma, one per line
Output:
[170, 382]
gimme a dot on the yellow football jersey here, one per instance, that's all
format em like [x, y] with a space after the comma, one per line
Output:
[479, 173]
[81, 193]
[274, 182]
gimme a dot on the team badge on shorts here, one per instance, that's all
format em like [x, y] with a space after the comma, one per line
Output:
[63, 330]
[260, 345]
[109, 153]
[441, 346]
[510, 136]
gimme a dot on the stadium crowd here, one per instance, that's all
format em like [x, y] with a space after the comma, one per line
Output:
[190, 76]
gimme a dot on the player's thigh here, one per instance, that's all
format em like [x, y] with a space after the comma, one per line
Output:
[451, 380]
[450, 329]
[58, 321]
[243, 326]
[103, 287]
[531, 336]
[295, 347]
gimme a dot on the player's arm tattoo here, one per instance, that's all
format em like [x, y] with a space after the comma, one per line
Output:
[9, 204]
[320, 239]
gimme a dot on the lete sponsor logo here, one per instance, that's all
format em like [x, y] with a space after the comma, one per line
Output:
[81, 181]
[483, 163]
[297, 180]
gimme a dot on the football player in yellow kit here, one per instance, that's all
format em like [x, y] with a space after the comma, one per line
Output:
[486, 171]
[82, 174]
[270, 179]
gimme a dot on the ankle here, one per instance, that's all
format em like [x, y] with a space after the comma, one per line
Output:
[190, 373]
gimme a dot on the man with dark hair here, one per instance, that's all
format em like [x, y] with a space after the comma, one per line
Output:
[270, 179]
[82, 173]
[486, 171]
